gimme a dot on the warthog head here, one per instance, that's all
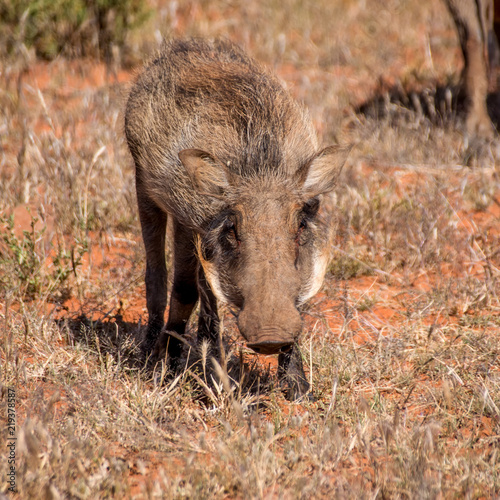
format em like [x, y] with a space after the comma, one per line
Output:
[267, 250]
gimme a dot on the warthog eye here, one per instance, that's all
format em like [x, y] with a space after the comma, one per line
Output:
[306, 215]
[301, 238]
[229, 234]
[310, 208]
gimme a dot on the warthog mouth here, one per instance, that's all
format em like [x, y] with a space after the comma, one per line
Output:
[270, 347]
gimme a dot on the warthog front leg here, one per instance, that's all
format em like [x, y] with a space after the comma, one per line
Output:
[184, 294]
[154, 225]
[291, 374]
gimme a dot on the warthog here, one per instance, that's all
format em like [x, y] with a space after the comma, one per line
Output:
[221, 147]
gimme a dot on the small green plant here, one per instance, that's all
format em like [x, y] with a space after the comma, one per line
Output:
[20, 257]
[24, 262]
[366, 303]
[346, 267]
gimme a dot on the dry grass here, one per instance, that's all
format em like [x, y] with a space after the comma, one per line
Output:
[402, 344]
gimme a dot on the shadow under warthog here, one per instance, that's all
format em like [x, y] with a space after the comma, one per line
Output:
[112, 336]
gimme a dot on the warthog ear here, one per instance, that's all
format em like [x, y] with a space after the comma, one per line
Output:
[209, 176]
[320, 174]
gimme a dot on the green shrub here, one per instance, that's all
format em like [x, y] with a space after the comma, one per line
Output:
[69, 27]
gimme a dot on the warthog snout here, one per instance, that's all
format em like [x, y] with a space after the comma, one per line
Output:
[270, 338]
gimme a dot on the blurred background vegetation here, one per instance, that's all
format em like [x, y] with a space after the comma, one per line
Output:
[73, 28]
